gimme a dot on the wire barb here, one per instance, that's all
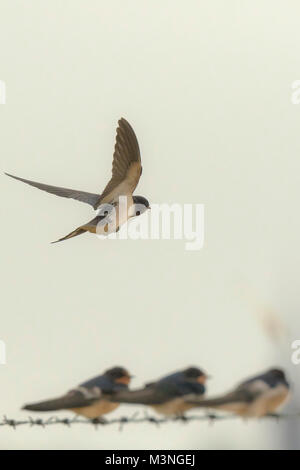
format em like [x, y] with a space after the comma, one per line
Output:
[134, 419]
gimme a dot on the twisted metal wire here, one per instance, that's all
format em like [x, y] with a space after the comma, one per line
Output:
[134, 419]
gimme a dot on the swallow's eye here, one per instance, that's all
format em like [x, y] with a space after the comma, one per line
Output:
[138, 213]
[106, 213]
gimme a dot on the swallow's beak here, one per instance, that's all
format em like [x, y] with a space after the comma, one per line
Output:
[202, 378]
[124, 380]
[149, 208]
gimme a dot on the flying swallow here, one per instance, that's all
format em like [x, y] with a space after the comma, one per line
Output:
[126, 172]
[91, 398]
[166, 395]
[258, 396]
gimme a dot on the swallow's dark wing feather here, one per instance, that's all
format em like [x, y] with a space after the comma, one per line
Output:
[153, 394]
[241, 394]
[74, 399]
[82, 196]
[126, 168]
[145, 396]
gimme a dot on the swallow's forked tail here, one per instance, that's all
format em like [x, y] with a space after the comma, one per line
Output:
[236, 397]
[49, 405]
[90, 226]
[77, 231]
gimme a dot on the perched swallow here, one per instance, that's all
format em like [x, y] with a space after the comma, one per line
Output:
[166, 395]
[91, 398]
[258, 396]
[126, 172]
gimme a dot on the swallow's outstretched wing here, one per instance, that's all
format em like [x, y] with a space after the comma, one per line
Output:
[126, 172]
[82, 196]
[126, 168]
[77, 398]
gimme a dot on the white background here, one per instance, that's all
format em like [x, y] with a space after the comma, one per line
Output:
[207, 88]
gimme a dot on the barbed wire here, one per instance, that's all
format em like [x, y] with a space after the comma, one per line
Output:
[134, 419]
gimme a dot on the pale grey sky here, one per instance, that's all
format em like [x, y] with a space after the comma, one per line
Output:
[207, 88]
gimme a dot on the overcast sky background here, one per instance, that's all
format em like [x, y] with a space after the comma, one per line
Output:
[207, 87]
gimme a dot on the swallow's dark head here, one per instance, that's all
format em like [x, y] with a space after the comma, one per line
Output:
[141, 205]
[119, 375]
[277, 375]
[194, 374]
